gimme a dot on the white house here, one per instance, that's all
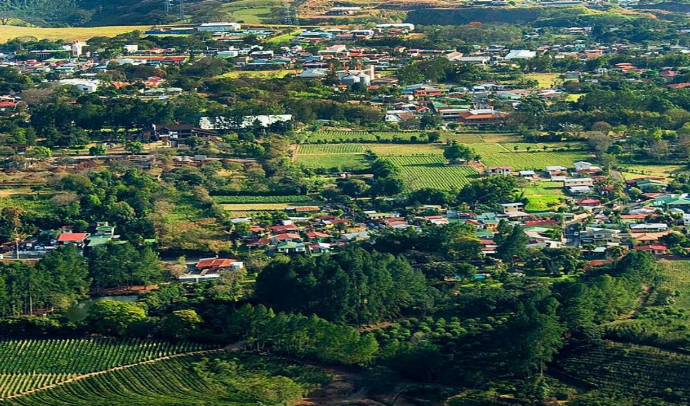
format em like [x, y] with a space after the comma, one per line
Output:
[84, 85]
[219, 27]
[520, 54]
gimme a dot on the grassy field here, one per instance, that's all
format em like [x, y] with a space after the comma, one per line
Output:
[250, 11]
[432, 172]
[497, 155]
[8, 32]
[546, 80]
[343, 162]
[637, 171]
[32, 202]
[543, 196]
[573, 97]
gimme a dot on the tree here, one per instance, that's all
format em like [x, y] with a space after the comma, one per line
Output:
[114, 318]
[354, 286]
[354, 187]
[40, 153]
[511, 241]
[134, 147]
[179, 324]
[659, 149]
[458, 152]
[10, 223]
[68, 275]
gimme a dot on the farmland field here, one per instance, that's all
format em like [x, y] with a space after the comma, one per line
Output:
[664, 320]
[432, 171]
[8, 32]
[637, 171]
[246, 207]
[497, 155]
[81, 355]
[262, 199]
[29, 364]
[324, 149]
[187, 380]
[627, 370]
[347, 162]
[362, 136]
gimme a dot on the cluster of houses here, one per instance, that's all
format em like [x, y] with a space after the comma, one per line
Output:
[45, 241]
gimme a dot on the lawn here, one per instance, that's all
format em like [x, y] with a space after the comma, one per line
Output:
[8, 32]
[543, 188]
[432, 172]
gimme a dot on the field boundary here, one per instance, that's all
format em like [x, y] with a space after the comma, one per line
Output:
[229, 348]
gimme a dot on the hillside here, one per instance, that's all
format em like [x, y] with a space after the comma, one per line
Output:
[121, 12]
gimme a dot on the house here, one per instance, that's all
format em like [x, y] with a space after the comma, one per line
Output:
[600, 235]
[527, 174]
[656, 249]
[577, 182]
[499, 170]
[291, 247]
[512, 207]
[208, 265]
[77, 239]
[482, 117]
[219, 27]
[586, 167]
[520, 54]
[557, 172]
[652, 227]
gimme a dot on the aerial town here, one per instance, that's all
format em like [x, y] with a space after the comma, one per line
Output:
[316, 203]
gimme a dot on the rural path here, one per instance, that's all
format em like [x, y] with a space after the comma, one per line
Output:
[230, 348]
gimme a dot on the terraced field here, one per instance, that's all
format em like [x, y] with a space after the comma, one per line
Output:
[432, 171]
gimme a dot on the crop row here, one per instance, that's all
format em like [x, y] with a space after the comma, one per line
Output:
[364, 136]
[640, 370]
[12, 384]
[315, 149]
[261, 199]
[432, 172]
[164, 382]
[78, 356]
